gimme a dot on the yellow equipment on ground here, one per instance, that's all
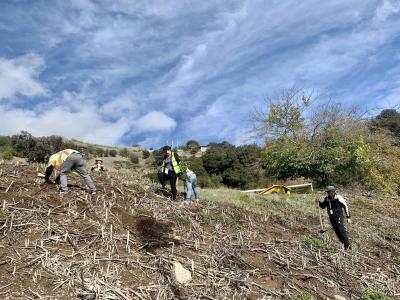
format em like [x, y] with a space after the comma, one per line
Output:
[282, 189]
[276, 189]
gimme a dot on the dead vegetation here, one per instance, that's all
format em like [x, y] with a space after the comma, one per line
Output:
[121, 244]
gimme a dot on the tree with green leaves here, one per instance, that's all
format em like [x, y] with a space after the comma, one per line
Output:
[322, 141]
[192, 146]
[389, 119]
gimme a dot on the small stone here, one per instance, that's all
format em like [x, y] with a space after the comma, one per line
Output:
[180, 274]
[338, 297]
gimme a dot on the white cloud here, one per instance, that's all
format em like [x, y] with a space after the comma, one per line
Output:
[18, 77]
[124, 105]
[387, 9]
[85, 125]
[154, 121]
[206, 63]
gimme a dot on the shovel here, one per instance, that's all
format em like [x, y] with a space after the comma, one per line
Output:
[322, 230]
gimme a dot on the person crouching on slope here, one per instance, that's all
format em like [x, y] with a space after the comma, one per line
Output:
[170, 169]
[335, 204]
[98, 165]
[191, 184]
[64, 161]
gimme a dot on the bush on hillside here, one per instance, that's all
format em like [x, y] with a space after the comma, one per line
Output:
[192, 146]
[6, 149]
[388, 119]
[113, 153]
[238, 167]
[99, 152]
[146, 154]
[134, 158]
[7, 152]
[124, 152]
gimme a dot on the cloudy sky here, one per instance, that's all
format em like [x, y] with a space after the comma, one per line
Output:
[118, 72]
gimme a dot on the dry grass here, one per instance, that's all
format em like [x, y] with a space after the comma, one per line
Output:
[121, 243]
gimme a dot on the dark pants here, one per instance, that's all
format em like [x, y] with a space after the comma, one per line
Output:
[162, 177]
[337, 221]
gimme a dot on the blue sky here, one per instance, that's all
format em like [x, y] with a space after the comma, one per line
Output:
[119, 72]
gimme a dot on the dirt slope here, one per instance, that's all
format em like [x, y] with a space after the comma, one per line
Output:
[121, 244]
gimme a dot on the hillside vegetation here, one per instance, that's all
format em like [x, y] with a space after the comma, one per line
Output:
[123, 242]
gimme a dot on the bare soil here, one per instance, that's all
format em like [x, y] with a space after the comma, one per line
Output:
[121, 243]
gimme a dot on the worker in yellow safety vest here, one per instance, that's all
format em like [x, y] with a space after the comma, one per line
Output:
[170, 169]
[65, 161]
[98, 165]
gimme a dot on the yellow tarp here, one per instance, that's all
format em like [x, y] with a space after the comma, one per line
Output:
[276, 189]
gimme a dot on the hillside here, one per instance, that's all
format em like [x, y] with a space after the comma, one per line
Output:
[122, 243]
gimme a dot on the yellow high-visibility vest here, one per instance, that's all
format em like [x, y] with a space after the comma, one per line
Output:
[175, 165]
[57, 159]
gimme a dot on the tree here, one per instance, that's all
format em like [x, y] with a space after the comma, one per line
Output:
[23, 143]
[113, 153]
[284, 114]
[99, 152]
[192, 146]
[146, 154]
[324, 142]
[389, 119]
[236, 167]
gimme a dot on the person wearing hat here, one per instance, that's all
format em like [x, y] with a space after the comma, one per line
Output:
[98, 165]
[170, 169]
[66, 161]
[337, 209]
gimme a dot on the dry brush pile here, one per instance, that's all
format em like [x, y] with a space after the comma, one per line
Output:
[122, 243]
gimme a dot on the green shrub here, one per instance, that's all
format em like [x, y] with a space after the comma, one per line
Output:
[124, 152]
[7, 152]
[371, 295]
[146, 154]
[152, 176]
[113, 153]
[134, 158]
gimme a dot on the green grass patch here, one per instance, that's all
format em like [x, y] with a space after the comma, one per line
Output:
[137, 187]
[314, 242]
[304, 296]
[389, 234]
[231, 220]
[372, 295]
[205, 218]
[183, 220]
[262, 204]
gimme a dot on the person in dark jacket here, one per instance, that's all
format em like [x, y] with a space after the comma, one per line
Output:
[170, 169]
[337, 209]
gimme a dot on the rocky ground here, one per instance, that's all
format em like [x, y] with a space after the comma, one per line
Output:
[125, 243]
